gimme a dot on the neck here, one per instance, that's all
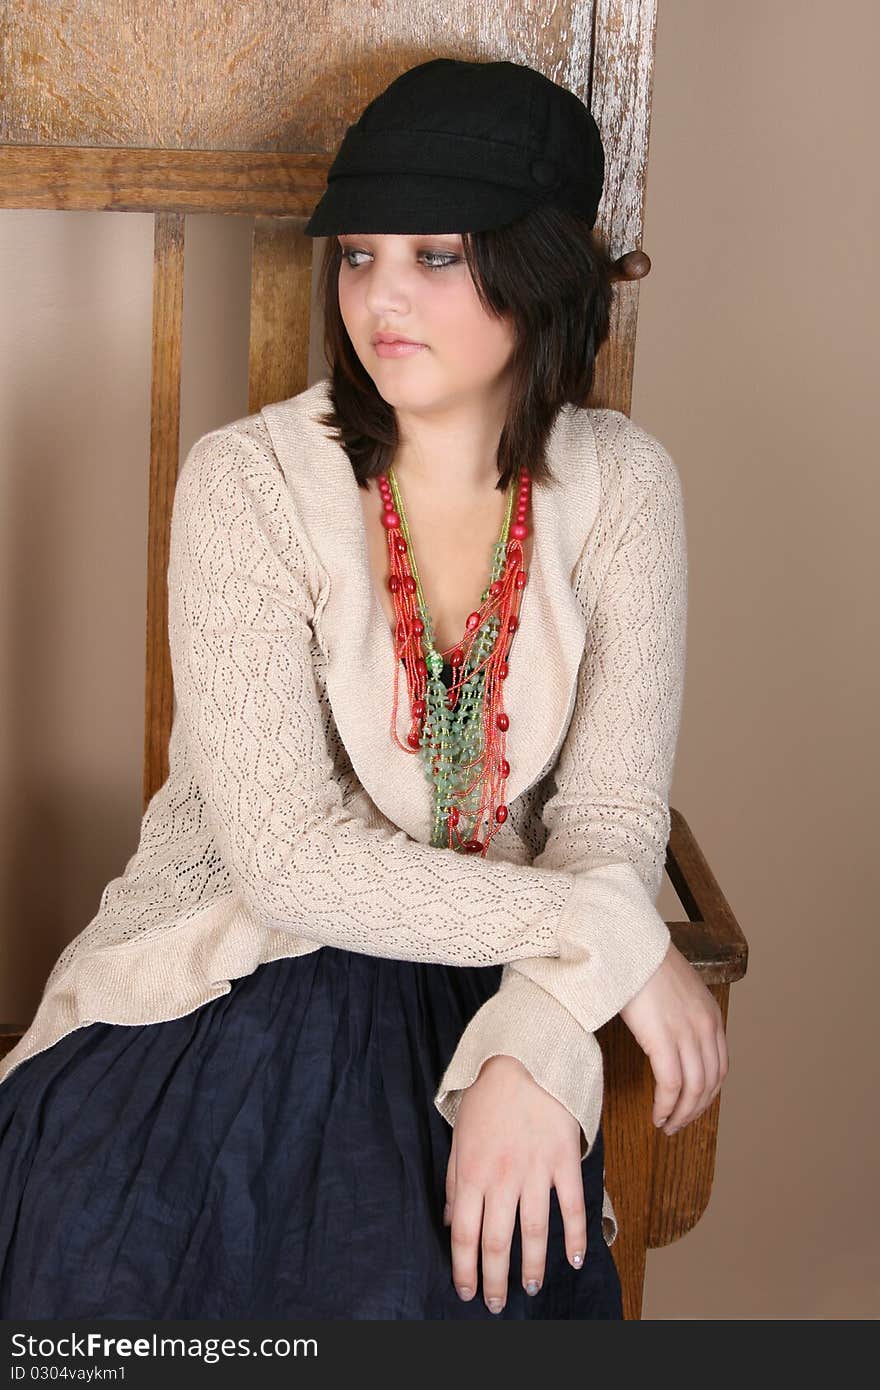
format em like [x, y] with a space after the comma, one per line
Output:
[450, 454]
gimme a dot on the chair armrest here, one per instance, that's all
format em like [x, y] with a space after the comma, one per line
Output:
[711, 939]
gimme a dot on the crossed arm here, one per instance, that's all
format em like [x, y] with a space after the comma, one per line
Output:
[576, 931]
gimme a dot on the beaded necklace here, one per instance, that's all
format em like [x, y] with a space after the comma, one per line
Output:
[460, 731]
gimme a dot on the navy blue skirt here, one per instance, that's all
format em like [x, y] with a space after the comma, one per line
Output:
[275, 1153]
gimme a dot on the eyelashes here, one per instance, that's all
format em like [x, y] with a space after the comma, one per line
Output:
[444, 258]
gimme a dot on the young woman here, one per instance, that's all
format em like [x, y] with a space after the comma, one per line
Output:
[427, 634]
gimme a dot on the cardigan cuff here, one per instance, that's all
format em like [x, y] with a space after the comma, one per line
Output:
[521, 1020]
[611, 941]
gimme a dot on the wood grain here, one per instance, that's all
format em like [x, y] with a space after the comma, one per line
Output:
[164, 462]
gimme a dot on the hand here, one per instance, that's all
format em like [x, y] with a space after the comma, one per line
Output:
[511, 1143]
[676, 1021]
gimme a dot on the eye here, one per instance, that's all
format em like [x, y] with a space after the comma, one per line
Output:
[441, 259]
[444, 258]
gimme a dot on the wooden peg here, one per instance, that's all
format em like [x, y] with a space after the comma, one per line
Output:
[632, 265]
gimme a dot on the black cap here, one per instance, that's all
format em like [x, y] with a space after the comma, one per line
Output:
[455, 146]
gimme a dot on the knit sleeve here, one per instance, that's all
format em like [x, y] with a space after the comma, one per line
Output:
[241, 602]
[608, 816]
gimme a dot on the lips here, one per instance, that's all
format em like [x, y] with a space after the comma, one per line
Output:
[388, 345]
[393, 338]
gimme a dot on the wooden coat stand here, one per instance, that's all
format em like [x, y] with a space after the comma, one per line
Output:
[259, 94]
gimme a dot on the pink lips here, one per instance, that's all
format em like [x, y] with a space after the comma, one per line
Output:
[397, 349]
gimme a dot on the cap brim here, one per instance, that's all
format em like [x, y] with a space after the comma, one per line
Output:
[409, 204]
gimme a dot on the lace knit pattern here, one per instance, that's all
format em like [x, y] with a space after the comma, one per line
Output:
[178, 867]
[262, 817]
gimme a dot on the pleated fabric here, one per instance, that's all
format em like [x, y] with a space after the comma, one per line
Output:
[274, 1153]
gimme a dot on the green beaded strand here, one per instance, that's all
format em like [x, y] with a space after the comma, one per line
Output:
[458, 731]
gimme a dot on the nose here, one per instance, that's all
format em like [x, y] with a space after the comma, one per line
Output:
[385, 293]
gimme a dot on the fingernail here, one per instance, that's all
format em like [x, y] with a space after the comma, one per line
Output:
[577, 1259]
[495, 1305]
[661, 1121]
[465, 1292]
[446, 1215]
[532, 1287]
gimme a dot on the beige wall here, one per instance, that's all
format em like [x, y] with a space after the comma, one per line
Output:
[756, 366]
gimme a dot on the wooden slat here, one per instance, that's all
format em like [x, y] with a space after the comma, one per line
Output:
[281, 283]
[164, 460]
[92, 178]
[620, 100]
[626, 1111]
[683, 1164]
[711, 939]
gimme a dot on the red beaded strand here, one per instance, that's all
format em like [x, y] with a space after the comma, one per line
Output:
[504, 598]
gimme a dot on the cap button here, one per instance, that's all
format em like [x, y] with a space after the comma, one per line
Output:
[544, 172]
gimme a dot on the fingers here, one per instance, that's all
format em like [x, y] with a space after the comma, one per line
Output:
[499, 1216]
[495, 1212]
[690, 1075]
[666, 1066]
[534, 1225]
[467, 1221]
[569, 1184]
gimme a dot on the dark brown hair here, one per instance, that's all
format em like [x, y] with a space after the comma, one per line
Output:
[553, 275]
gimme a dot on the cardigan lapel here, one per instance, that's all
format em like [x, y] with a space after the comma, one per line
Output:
[547, 647]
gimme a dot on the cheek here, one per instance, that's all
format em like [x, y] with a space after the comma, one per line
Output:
[479, 344]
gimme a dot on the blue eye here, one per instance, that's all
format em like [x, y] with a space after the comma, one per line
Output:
[444, 258]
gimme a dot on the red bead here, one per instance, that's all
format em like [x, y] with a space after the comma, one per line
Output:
[520, 581]
[501, 815]
[519, 531]
[473, 621]
[418, 626]
[413, 739]
[512, 623]
[502, 670]
[505, 768]
[502, 721]
[457, 657]
[473, 846]
[421, 666]
[390, 520]
[453, 815]
[419, 708]
[495, 588]
[400, 545]
[394, 583]
[409, 584]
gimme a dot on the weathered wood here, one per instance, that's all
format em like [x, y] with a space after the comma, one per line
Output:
[164, 461]
[281, 284]
[83, 179]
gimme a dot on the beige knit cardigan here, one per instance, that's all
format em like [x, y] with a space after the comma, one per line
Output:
[290, 820]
